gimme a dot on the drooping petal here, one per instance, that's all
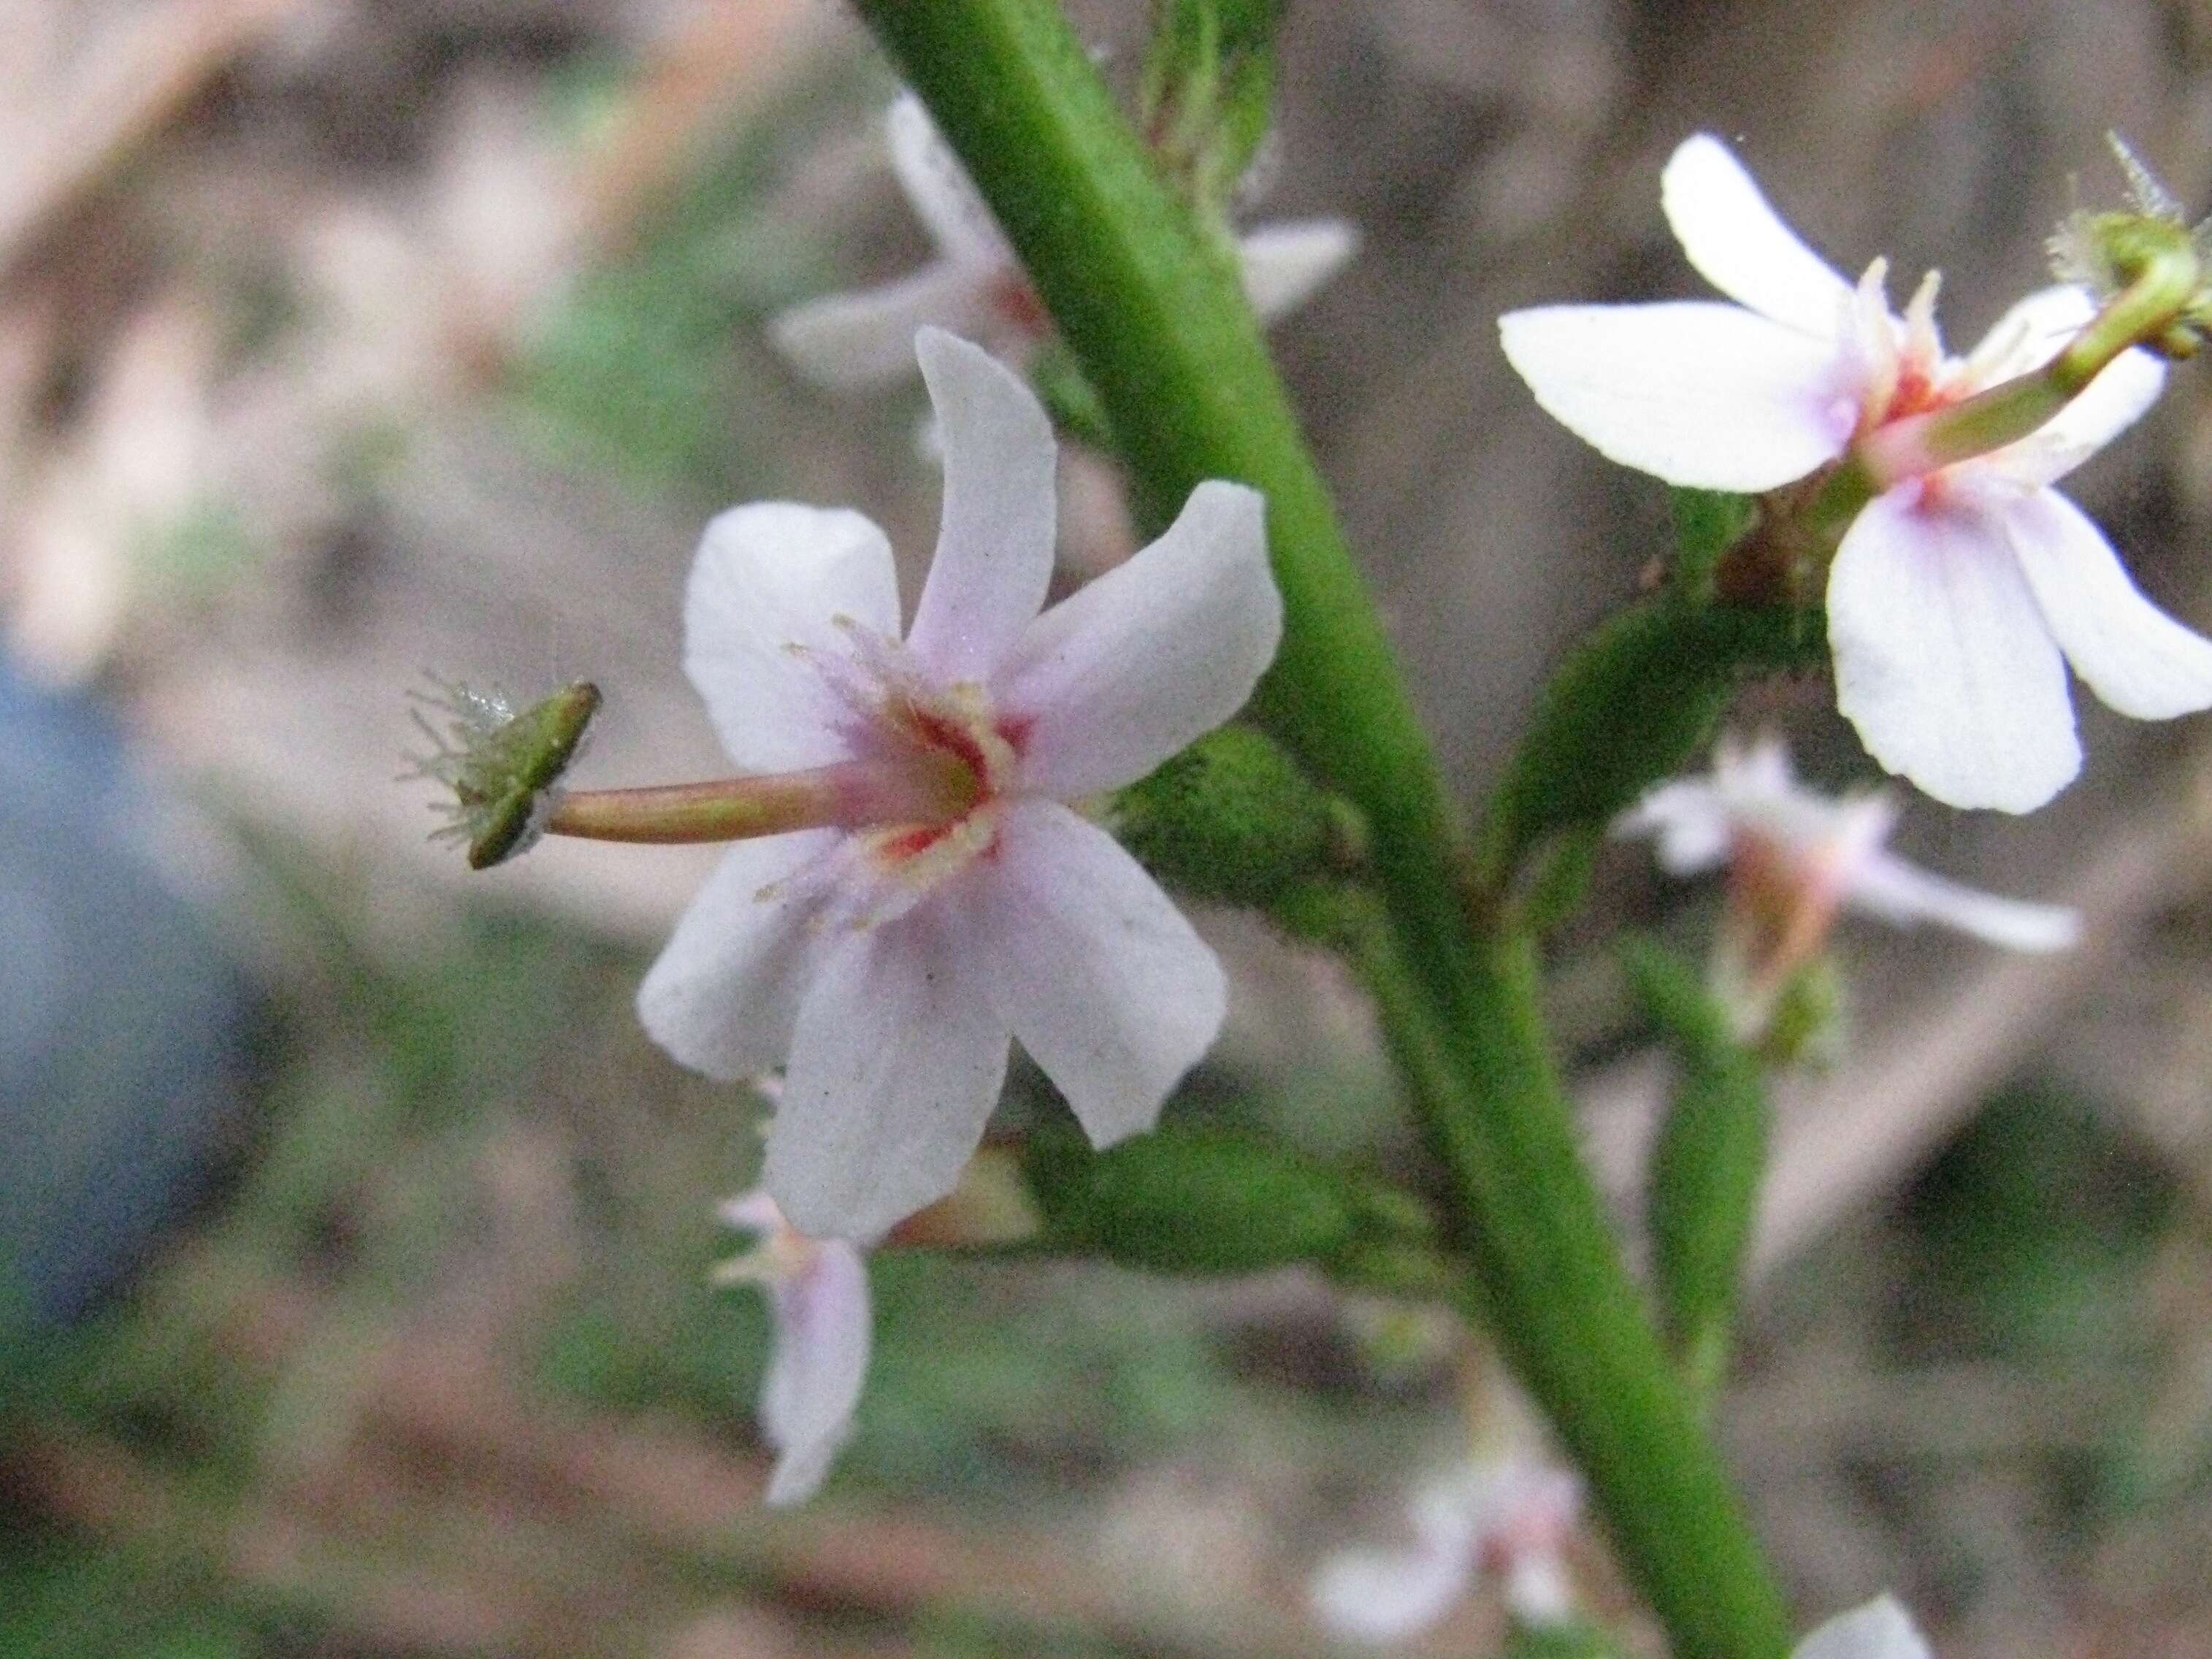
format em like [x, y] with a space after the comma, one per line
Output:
[722, 996]
[895, 1062]
[1880, 1630]
[994, 539]
[1690, 822]
[1104, 982]
[1741, 245]
[845, 342]
[938, 188]
[1885, 886]
[1128, 670]
[823, 1333]
[1942, 659]
[2132, 654]
[1283, 265]
[768, 577]
[1702, 394]
[2029, 336]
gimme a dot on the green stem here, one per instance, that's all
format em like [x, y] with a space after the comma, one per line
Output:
[1161, 329]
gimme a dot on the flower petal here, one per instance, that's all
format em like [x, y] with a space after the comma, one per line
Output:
[2029, 336]
[770, 576]
[1943, 662]
[938, 188]
[895, 1062]
[1742, 246]
[1104, 982]
[1283, 265]
[1881, 1630]
[1385, 1595]
[722, 996]
[822, 1332]
[2134, 656]
[1123, 673]
[847, 340]
[1690, 822]
[1885, 886]
[994, 541]
[1698, 393]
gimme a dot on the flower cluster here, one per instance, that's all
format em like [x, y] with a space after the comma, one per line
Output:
[1961, 592]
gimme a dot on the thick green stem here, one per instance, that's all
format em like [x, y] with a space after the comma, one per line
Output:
[1155, 317]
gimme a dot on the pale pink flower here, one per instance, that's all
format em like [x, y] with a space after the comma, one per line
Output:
[887, 963]
[1511, 1518]
[975, 286]
[1959, 594]
[1881, 1630]
[818, 1296]
[1796, 857]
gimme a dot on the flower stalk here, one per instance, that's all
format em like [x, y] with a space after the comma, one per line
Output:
[1161, 332]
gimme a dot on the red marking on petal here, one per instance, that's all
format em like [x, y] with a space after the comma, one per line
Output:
[911, 843]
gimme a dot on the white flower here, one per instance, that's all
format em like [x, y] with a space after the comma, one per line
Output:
[1881, 1630]
[887, 963]
[1512, 1517]
[817, 1292]
[975, 286]
[1960, 594]
[1796, 857]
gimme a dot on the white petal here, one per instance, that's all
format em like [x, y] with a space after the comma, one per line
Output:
[768, 577]
[1741, 245]
[1689, 820]
[994, 539]
[896, 1063]
[1943, 662]
[943, 196]
[1704, 394]
[722, 997]
[1384, 1595]
[1880, 1630]
[752, 1211]
[1284, 265]
[1104, 982]
[847, 340]
[2133, 655]
[1886, 886]
[1159, 650]
[812, 1387]
[2029, 336]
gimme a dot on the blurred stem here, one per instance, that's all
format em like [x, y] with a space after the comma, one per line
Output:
[1155, 319]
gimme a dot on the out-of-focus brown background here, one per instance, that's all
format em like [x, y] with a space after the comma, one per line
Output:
[342, 340]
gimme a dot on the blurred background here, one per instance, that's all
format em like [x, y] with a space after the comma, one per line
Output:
[360, 1238]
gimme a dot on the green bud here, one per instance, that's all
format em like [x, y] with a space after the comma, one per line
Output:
[501, 767]
[1191, 1201]
[1208, 92]
[1232, 818]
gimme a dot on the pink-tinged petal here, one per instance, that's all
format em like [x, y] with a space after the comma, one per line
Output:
[895, 1062]
[1161, 649]
[994, 539]
[1741, 245]
[1104, 982]
[1702, 394]
[1880, 1630]
[1282, 266]
[1691, 823]
[845, 342]
[812, 1387]
[752, 1211]
[1386, 1595]
[2029, 336]
[1943, 662]
[938, 188]
[1886, 886]
[2133, 655]
[722, 996]
[769, 577]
